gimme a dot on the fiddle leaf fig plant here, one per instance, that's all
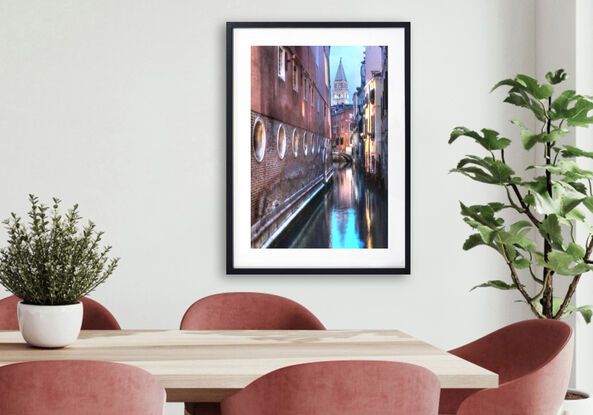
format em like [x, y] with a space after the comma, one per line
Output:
[51, 260]
[552, 197]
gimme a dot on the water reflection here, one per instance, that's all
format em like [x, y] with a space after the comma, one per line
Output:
[351, 214]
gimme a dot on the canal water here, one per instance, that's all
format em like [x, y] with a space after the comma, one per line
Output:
[352, 213]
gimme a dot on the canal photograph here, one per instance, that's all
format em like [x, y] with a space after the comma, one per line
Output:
[318, 173]
[319, 152]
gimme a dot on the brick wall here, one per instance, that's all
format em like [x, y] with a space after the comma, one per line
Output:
[279, 181]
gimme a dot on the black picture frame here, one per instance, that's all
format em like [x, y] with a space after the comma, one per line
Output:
[231, 268]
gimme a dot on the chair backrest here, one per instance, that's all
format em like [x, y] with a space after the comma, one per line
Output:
[533, 360]
[95, 316]
[68, 387]
[248, 311]
[8, 319]
[339, 388]
[518, 349]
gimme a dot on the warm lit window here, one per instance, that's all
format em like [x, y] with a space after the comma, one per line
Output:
[295, 142]
[281, 63]
[295, 77]
[259, 140]
[281, 142]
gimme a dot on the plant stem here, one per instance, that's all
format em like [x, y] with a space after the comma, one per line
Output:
[546, 301]
[517, 282]
[574, 283]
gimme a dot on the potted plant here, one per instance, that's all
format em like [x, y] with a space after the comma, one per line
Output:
[550, 199]
[50, 263]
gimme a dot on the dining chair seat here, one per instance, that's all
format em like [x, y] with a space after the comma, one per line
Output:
[532, 358]
[339, 388]
[244, 311]
[73, 387]
[95, 316]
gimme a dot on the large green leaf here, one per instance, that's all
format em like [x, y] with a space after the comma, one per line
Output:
[556, 77]
[530, 139]
[489, 138]
[563, 203]
[578, 116]
[540, 92]
[550, 229]
[501, 285]
[521, 263]
[562, 263]
[585, 311]
[482, 214]
[472, 241]
[571, 151]
[568, 168]
[576, 251]
[486, 170]
[559, 106]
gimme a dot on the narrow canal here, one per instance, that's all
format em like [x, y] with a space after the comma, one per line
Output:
[352, 213]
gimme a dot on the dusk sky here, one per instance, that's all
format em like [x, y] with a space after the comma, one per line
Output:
[351, 58]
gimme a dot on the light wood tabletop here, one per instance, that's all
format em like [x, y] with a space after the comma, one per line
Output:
[209, 365]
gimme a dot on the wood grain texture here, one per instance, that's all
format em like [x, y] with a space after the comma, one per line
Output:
[207, 366]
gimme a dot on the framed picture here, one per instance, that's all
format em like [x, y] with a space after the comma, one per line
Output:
[318, 148]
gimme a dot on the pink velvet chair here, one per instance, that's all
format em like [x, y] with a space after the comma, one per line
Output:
[339, 388]
[95, 317]
[69, 387]
[533, 359]
[244, 311]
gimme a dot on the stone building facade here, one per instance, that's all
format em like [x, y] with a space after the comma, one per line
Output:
[370, 135]
[290, 135]
[342, 120]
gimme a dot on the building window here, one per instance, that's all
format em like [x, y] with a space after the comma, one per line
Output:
[312, 139]
[305, 144]
[281, 63]
[295, 142]
[259, 140]
[281, 142]
[326, 70]
[295, 77]
[305, 89]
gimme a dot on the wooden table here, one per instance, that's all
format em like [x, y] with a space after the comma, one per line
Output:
[207, 366]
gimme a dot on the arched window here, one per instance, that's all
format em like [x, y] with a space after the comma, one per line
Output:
[259, 140]
[281, 142]
[295, 142]
[305, 144]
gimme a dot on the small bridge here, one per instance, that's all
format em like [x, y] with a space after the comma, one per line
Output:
[340, 156]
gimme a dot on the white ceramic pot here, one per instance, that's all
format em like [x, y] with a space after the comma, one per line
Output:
[577, 406]
[49, 325]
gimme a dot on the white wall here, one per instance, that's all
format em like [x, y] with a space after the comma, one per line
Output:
[120, 106]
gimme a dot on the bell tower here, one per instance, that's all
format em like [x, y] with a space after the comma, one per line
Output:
[340, 94]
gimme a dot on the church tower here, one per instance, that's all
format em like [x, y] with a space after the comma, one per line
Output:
[340, 94]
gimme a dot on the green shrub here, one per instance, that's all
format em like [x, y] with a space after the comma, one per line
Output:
[50, 261]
